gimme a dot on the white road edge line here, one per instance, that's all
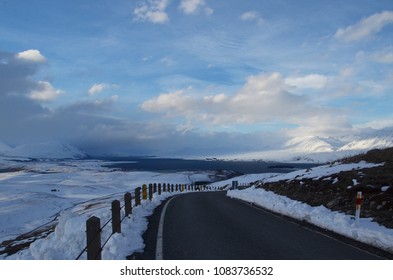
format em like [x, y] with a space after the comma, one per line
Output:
[159, 246]
[278, 215]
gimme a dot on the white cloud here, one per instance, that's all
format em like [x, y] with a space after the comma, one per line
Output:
[366, 27]
[219, 98]
[167, 61]
[264, 98]
[374, 88]
[114, 98]
[209, 11]
[173, 103]
[346, 72]
[152, 11]
[251, 16]
[315, 81]
[45, 92]
[327, 123]
[190, 6]
[193, 6]
[31, 55]
[385, 56]
[387, 121]
[96, 88]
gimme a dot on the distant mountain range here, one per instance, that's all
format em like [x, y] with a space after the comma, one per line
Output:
[298, 149]
[323, 149]
[377, 139]
[313, 144]
[45, 150]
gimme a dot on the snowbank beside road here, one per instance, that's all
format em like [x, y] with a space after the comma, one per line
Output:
[365, 231]
[69, 238]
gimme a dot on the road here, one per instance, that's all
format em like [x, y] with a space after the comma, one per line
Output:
[212, 226]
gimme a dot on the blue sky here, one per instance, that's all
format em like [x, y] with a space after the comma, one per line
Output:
[176, 77]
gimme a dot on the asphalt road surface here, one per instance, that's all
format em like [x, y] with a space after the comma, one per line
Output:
[212, 226]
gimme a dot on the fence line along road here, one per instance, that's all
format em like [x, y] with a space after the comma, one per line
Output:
[145, 193]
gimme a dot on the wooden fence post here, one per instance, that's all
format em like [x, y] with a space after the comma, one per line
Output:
[116, 220]
[144, 192]
[159, 189]
[164, 187]
[150, 192]
[154, 188]
[93, 238]
[137, 196]
[177, 187]
[172, 188]
[127, 203]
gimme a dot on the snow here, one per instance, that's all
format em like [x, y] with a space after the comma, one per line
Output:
[244, 179]
[44, 150]
[301, 149]
[321, 171]
[378, 139]
[313, 144]
[365, 230]
[69, 237]
[66, 193]
[316, 149]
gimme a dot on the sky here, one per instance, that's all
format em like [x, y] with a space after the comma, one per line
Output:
[192, 77]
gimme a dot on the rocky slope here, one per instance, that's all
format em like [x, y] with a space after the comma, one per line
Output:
[338, 191]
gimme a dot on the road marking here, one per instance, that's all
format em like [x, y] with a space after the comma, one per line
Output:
[160, 233]
[298, 223]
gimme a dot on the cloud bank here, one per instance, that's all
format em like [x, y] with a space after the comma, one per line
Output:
[365, 27]
[264, 98]
[92, 125]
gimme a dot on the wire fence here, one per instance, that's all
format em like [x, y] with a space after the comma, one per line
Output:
[93, 246]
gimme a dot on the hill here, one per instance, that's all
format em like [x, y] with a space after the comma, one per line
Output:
[4, 148]
[318, 149]
[337, 191]
[45, 150]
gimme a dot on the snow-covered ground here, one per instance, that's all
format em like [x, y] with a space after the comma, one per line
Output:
[364, 230]
[66, 193]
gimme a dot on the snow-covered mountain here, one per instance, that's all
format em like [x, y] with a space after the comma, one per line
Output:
[322, 149]
[45, 150]
[4, 148]
[314, 144]
[378, 139]
[299, 149]
[374, 139]
[319, 149]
